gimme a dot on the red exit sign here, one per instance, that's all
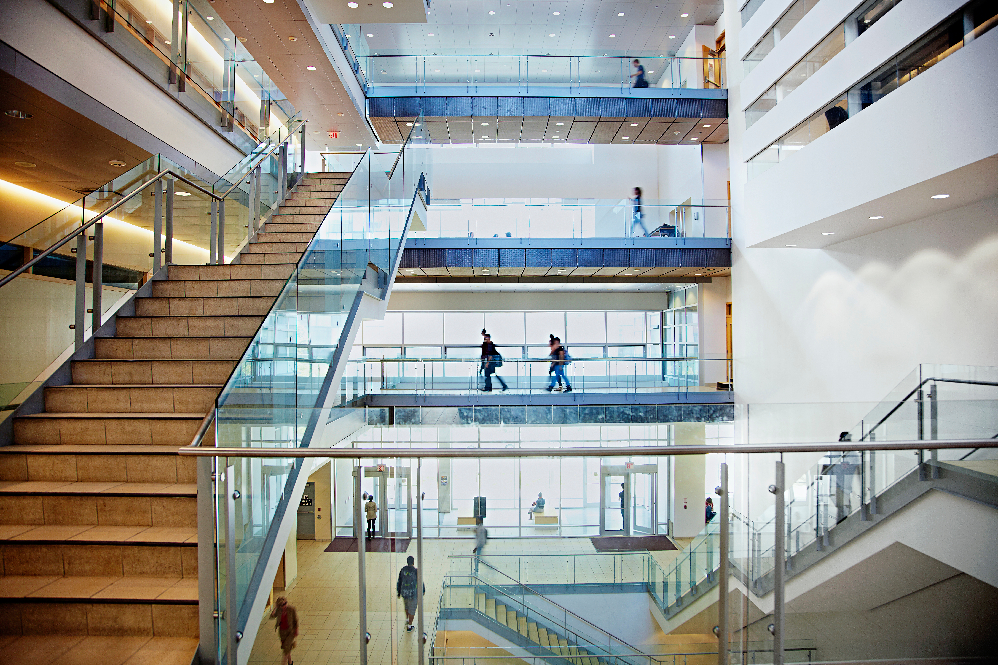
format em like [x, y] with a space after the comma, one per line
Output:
[334, 134]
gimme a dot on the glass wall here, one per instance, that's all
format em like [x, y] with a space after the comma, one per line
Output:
[783, 26]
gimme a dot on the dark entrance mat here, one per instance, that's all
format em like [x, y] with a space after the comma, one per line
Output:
[627, 544]
[375, 545]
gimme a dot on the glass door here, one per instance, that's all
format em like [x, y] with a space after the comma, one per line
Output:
[614, 499]
[642, 506]
[399, 521]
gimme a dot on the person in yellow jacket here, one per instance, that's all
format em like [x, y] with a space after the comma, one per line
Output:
[371, 509]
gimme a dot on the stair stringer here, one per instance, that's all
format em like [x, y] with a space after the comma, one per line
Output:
[502, 636]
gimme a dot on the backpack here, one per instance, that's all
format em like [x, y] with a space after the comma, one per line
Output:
[568, 358]
[409, 582]
[497, 359]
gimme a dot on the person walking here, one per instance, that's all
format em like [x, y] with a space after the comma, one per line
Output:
[406, 588]
[623, 510]
[286, 625]
[637, 217]
[536, 507]
[371, 509]
[559, 358]
[490, 361]
[639, 75]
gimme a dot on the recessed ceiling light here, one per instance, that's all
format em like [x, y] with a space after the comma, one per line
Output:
[683, 15]
[408, 124]
[387, 5]
[672, 36]
[651, 71]
[226, 39]
[556, 13]
[613, 35]
[210, 18]
[791, 245]
[551, 35]
[429, 34]
[828, 233]
[269, 2]
[940, 196]
[182, 193]
[25, 165]
[634, 124]
[340, 114]
[369, 34]
[360, 145]
[492, 13]
[117, 163]
[620, 13]
[167, 41]
[352, 5]
[693, 139]
[485, 124]
[437, 71]
[148, 21]
[877, 217]
[20, 115]
[560, 124]
[310, 68]
[624, 138]
[706, 126]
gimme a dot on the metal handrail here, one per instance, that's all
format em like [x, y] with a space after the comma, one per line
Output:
[261, 156]
[917, 388]
[45, 254]
[644, 451]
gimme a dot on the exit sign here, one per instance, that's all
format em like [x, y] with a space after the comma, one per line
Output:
[334, 134]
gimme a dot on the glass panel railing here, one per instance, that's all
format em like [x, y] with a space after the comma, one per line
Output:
[276, 394]
[562, 569]
[450, 376]
[575, 218]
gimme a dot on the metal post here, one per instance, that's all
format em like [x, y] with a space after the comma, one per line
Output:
[231, 611]
[283, 168]
[97, 275]
[934, 429]
[174, 41]
[419, 560]
[722, 572]
[361, 550]
[79, 320]
[168, 222]
[182, 52]
[251, 205]
[213, 234]
[301, 148]
[221, 232]
[208, 648]
[157, 226]
[258, 196]
[779, 566]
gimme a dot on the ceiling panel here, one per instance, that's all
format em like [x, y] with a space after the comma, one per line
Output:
[605, 131]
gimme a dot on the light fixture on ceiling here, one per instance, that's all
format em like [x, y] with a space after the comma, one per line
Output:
[492, 13]
[672, 36]
[620, 13]
[167, 42]
[429, 34]
[698, 274]
[877, 217]
[634, 124]
[437, 71]
[352, 5]
[182, 193]
[340, 114]
[683, 15]
[560, 124]
[210, 18]
[360, 145]
[706, 126]
[940, 196]
[387, 5]
[828, 233]
[269, 2]
[551, 35]
[226, 39]
[20, 115]
[117, 163]
[310, 68]
[556, 13]
[485, 124]
[624, 138]
[148, 21]
[369, 34]
[611, 36]
[408, 124]
[651, 71]
[693, 139]
[25, 165]
[292, 39]
[477, 70]
[791, 245]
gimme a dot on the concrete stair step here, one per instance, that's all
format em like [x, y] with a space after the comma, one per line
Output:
[96, 464]
[125, 398]
[89, 534]
[231, 271]
[542, 637]
[282, 258]
[279, 247]
[318, 209]
[521, 626]
[107, 428]
[490, 608]
[164, 348]
[103, 588]
[183, 288]
[480, 602]
[152, 372]
[304, 228]
[282, 218]
[99, 649]
[282, 237]
[532, 632]
[217, 306]
[501, 613]
[67, 511]
[103, 488]
[182, 326]
[74, 624]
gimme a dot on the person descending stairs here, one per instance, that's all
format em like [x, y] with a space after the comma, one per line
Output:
[98, 519]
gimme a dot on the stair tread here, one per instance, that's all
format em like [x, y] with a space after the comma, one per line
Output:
[89, 487]
[82, 650]
[101, 415]
[90, 534]
[137, 385]
[175, 589]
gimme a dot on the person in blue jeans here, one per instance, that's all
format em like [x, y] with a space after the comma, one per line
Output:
[558, 363]
[637, 217]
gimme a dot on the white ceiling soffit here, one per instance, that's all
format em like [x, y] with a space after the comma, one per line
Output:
[961, 187]
[369, 11]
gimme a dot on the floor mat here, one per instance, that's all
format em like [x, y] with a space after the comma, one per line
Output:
[375, 545]
[628, 544]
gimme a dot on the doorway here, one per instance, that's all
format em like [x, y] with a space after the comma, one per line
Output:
[628, 500]
[389, 486]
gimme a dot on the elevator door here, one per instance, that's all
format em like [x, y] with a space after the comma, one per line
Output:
[306, 513]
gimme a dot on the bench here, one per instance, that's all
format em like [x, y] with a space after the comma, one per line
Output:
[462, 521]
[540, 519]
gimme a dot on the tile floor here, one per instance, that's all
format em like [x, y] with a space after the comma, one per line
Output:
[325, 596]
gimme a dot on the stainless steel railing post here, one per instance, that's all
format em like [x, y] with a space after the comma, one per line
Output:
[221, 232]
[157, 226]
[360, 530]
[97, 277]
[231, 602]
[168, 222]
[722, 572]
[779, 563]
[80, 318]
[213, 234]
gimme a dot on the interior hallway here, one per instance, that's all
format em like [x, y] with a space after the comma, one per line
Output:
[325, 596]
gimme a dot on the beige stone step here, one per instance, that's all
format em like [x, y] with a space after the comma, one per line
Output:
[188, 306]
[275, 247]
[490, 608]
[290, 226]
[184, 326]
[152, 372]
[99, 650]
[113, 588]
[279, 218]
[183, 288]
[156, 429]
[125, 398]
[319, 209]
[542, 637]
[285, 258]
[122, 620]
[103, 488]
[532, 632]
[103, 464]
[79, 511]
[89, 534]
[163, 348]
[521, 625]
[231, 271]
[281, 237]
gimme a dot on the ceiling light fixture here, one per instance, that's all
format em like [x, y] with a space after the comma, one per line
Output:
[269, 2]
[551, 35]
[683, 15]
[20, 115]
[705, 126]
[634, 124]
[485, 124]
[612, 36]
[25, 165]
[620, 13]
[148, 21]
[166, 41]
[940, 196]
[117, 163]
[292, 39]
[387, 5]
[182, 193]
[556, 13]
[828, 233]
[369, 34]
[560, 124]
[226, 39]
[429, 34]
[310, 68]
[210, 18]
[877, 217]
[698, 274]
[624, 138]
[791, 245]
[340, 114]
[360, 145]
[408, 124]
[672, 36]
[491, 13]
[352, 5]
[693, 139]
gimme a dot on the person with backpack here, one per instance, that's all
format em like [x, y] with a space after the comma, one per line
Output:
[406, 587]
[286, 627]
[490, 361]
[559, 360]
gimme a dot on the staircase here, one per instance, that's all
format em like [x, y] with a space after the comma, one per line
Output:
[98, 523]
[535, 634]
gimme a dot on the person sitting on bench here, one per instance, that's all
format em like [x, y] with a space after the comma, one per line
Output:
[536, 506]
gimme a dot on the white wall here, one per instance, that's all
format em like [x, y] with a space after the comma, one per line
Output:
[556, 300]
[47, 36]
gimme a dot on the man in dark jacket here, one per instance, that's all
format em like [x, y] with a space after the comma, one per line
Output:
[490, 360]
[406, 587]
